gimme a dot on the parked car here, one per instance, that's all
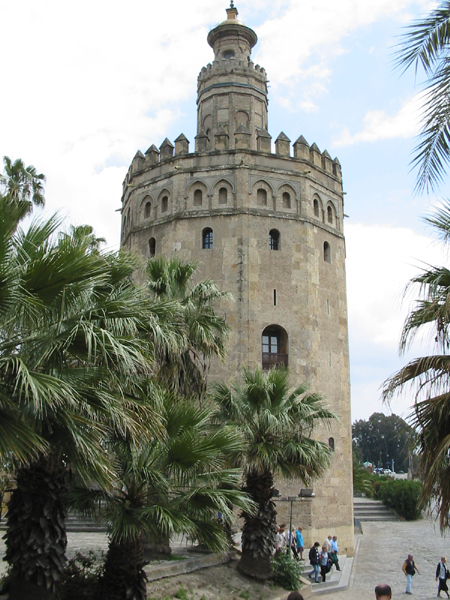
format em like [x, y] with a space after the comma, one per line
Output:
[387, 472]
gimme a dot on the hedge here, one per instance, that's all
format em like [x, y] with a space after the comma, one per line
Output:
[402, 496]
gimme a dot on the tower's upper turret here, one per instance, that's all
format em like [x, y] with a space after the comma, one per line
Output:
[232, 91]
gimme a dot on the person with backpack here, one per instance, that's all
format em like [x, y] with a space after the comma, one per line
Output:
[409, 568]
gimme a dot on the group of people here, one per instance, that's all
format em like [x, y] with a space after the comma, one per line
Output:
[290, 541]
[409, 568]
[323, 559]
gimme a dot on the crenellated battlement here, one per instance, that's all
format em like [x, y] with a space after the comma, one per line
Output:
[230, 65]
[302, 151]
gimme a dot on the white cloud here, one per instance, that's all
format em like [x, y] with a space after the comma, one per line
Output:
[380, 262]
[380, 126]
[309, 36]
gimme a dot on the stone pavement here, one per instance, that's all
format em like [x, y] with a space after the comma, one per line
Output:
[382, 549]
[383, 546]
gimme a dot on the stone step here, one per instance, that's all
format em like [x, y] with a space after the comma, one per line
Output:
[372, 510]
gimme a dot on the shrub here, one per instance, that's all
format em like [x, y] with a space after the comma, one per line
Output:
[402, 496]
[80, 578]
[286, 571]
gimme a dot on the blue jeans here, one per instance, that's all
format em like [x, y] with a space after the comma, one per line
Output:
[316, 573]
[408, 582]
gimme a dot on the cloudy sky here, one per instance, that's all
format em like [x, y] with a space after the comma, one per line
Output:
[87, 84]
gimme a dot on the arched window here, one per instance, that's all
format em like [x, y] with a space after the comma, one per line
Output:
[326, 252]
[152, 246]
[223, 195]
[286, 200]
[329, 214]
[228, 54]
[274, 239]
[261, 197]
[274, 343]
[316, 208]
[331, 444]
[198, 197]
[164, 204]
[207, 238]
[147, 210]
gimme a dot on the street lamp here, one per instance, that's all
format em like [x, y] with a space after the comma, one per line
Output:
[304, 493]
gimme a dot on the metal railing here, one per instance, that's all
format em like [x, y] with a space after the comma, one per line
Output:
[270, 359]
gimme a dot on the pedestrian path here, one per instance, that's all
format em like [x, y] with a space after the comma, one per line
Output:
[383, 546]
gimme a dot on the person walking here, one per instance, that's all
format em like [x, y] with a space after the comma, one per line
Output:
[442, 574]
[334, 553]
[324, 563]
[299, 542]
[280, 540]
[314, 557]
[409, 568]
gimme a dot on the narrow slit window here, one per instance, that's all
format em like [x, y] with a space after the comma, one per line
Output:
[152, 246]
[316, 208]
[326, 252]
[274, 297]
[286, 200]
[330, 215]
[147, 210]
[164, 204]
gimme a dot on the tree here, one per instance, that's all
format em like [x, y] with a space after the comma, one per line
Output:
[382, 439]
[174, 484]
[429, 376]
[203, 331]
[22, 184]
[426, 43]
[276, 424]
[73, 353]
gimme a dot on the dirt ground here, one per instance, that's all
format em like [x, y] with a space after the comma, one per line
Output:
[222, 582]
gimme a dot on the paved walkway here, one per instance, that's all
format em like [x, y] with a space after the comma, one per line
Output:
[382, 550]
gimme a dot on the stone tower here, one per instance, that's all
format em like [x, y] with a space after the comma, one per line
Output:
[267, 227]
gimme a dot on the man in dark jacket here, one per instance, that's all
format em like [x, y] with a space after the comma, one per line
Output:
[314, 561]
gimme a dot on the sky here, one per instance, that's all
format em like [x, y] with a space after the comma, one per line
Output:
[87, 84]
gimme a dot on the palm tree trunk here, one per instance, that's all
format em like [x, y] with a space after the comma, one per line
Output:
[36, 532]
[259, 531]
[124, 577]
[155, 546]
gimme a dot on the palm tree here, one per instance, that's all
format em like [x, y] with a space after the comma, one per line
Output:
[73, 354]
[426, 43]
[429, 375]
[21, 183]
[276, 424]
[174, 484]
[203, 331]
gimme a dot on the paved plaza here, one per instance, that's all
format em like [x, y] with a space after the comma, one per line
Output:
[381, 551]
